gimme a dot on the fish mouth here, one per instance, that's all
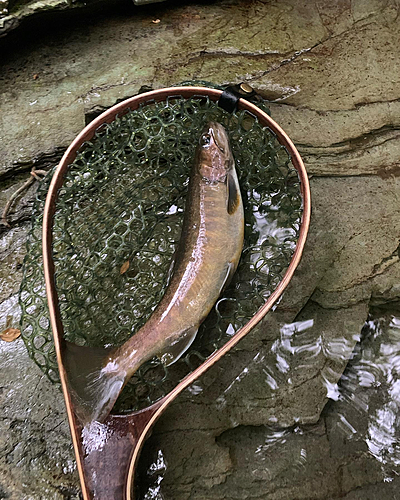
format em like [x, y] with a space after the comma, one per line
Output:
[219, 136]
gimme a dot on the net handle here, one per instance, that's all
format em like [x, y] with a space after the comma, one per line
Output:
[48, 263]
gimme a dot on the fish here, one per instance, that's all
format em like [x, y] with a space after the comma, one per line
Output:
[206, 258]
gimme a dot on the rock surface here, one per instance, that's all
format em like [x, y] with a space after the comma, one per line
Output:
[259, 424]
[15, 13]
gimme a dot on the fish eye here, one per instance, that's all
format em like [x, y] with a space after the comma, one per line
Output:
[205, 140]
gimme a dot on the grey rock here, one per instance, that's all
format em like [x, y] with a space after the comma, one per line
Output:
[12, 251]
[268, 421]
[261, 52]
[15, 13]
[35, 448]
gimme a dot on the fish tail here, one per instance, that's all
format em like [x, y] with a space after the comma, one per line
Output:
[94, 381]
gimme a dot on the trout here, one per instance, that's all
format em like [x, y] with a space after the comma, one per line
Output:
[207, 256]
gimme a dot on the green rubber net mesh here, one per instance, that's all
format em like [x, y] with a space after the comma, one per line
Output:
[118, 222]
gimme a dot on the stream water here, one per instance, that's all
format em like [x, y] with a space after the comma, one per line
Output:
[357, 434]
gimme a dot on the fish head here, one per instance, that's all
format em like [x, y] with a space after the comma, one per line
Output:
[215, 158]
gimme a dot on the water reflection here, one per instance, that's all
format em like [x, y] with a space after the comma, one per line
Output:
[355, 444]
[151, 476]
[371, 386]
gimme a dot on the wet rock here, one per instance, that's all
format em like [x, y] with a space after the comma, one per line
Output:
[332, 71]
[275, 463]
[35, 448]
[384, 491]
[282, 380]
[284, 383]
[366, 264]
[314, 45]
[13, 13]
[254, 451]
[350, 452]
[12, 252]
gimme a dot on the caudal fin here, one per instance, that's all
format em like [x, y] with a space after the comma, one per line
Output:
[94, 381]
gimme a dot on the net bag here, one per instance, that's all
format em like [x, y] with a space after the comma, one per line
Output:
[118, 222]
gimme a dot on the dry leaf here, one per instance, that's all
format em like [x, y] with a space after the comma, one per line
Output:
[10, 334]
[124, 267]
[156, 21]
[35, 76]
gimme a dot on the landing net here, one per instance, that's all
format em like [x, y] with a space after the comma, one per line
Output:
[118, 222]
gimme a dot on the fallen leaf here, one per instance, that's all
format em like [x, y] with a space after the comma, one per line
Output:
[10, 334]
[156, 21]
[35, 76]
[124, 267]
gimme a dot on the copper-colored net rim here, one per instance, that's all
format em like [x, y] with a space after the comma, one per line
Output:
[50, 206]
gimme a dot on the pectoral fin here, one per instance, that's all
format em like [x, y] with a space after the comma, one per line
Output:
[233, 193]
[179, 347]
[230, 270]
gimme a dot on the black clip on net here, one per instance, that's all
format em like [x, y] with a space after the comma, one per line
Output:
[230, 96]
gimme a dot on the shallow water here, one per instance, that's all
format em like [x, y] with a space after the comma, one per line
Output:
[357, 435]
[369, 394]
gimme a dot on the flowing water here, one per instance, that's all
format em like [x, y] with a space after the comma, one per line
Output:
[355, 442]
